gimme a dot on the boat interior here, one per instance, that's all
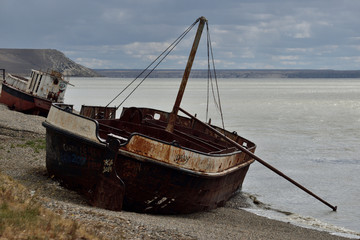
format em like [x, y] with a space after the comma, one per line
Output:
[188, 132]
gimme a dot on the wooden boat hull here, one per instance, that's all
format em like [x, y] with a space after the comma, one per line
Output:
[24, 102]
[138, 181]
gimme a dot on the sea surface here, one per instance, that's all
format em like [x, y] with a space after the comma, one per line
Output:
[307, 128]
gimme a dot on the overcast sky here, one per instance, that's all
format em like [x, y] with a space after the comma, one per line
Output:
[245, 34]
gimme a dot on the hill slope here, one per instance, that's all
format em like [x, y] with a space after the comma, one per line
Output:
[21, 61]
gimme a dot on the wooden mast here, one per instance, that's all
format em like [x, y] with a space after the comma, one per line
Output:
[173, 114]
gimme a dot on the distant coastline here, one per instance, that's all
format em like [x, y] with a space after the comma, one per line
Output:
[235, 73]
[21, 61]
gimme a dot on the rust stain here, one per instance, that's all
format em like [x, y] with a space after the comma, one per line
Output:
[181, 157]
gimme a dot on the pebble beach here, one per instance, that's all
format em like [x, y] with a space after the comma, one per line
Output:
[27, 166]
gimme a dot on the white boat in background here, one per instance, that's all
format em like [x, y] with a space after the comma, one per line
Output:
[33, 95]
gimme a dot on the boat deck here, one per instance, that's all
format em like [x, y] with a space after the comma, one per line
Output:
[187, 133]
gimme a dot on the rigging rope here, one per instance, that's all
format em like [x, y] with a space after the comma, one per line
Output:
[165, 53]
[210, 79]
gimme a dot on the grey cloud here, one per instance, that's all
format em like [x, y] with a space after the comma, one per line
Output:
[245, 34]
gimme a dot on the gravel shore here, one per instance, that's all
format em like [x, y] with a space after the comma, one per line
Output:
[26, 164]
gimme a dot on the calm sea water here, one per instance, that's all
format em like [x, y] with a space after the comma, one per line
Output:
[307, 128]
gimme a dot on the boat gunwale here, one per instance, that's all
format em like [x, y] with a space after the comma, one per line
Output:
[148, 159]
[103, 144]
[28, 94]
[17, 77]
[149, 137]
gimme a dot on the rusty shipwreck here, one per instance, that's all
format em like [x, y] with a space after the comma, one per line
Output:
[147, 160]
[33, 95]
